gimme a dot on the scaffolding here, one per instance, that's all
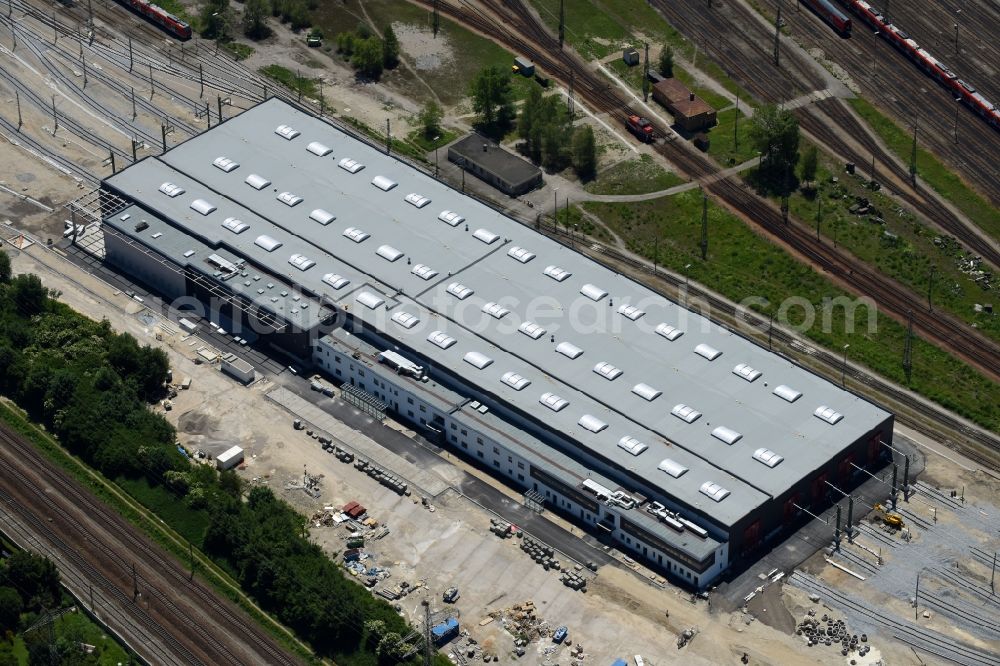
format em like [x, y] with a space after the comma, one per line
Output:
[364, 401]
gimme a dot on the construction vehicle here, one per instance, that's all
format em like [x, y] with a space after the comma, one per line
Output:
[450, 595]
[893, 520]
[642, 128]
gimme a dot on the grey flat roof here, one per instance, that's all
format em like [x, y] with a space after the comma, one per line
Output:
[495, 159]
[672, 367]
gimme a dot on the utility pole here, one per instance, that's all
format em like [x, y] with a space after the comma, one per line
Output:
[163, 133]
[17, 96]
[129, 55]
[55, 30]
[112, 158]
[704, 226]
[895, 480]
[645, 76]
[298, 83]
[850, 519]
[819, 210]
[843, 370]
[427, 632]
[135, 584]
[770, 329]
[916, 598]
[435, 20]
[55, 118]
[836, 531]
[218, 98]
[388, 138]
[994, 574]
[736, 125]
[562, 23]
[151, 89]
[208, 114]
[777, 38]
[133, 103]
[913, 157]
[572, 87]
[930, 288]
[201, 80]
[134, 144]
[908, 348]
[322, 101]
[906, 479]
[83, 62]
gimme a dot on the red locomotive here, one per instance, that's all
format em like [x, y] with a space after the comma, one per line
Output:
[642, 128]
[831, 14]
[159, 16]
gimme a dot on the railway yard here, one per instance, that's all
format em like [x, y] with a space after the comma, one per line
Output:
[89, 89]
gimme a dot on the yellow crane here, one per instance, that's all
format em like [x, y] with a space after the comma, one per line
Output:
[893, 520]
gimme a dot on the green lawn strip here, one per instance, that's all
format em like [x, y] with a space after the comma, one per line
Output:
[83, 628]
[634, 177]
[399, 146]
[723, 145]
[239, 50]
[443, 139]
[292, 80]
[157, 529]
[931, 170]
[741, 264]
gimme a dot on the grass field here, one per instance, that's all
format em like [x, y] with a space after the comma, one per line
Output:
[741, 264]
[634, 177]
[292, 80]
[724, 147]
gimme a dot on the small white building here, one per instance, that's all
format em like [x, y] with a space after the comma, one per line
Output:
[229, 459]
[237, 368]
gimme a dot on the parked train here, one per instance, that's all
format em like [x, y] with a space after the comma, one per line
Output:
[160, 17]
[925, 61]
[830, 13]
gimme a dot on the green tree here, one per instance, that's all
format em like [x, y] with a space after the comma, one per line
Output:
[345, 43]
[298, 15]
[492, 99]
[808, 164]
[35, 578]
[28, 294]
[367, 58]
[215, 18]
[5, 269]
[390, 48]
[584, 152]
[667, 61]
[10, 609]
[774, 133]
[430, 120]
[529, 114]
[255, 19]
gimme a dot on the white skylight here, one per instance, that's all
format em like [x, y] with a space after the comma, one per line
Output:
[746, 372]
[727, 435]
[301, 262]
[556, 273]
[369, 300]
[646, 392]
[171, 190]
[607, 371]
[828, 414]
[234, 225]
[352, 166]
[405, 319]
[514, 380]
[767, 456]
[202, 206]
[714, 490]
[257, 182]
[336, 281]
[266, 242]
[317, 148]
[685, 413]
[632, 445]
[552, 401]
[568, 349]
[486, 236]
[531, 329]
[672, 467]
[495, 310]
[459, 291]
[441, 339]
[322, 216]
[631, 312]
[423, 271]
[707, 351]
[592, 292]
[417, 200]
[521, 254]
[669, 332]
[286, 132]
[451, 218]
[356, 235]
[388, 252]
[592, 423]
[384, 183]
[787, 393]
[289, 199]
[477, 360]
[226, 164]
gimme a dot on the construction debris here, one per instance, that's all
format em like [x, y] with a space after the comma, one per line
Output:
[831, 632]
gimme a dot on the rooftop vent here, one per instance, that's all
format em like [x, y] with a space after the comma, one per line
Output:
[317, 148]
[672, 467]
[417, 200]
[767, 456]
[423, 271]
[685, 413]
[521, 254]
[286, 132]
[171, 190]
[202, 206]
[369, 300]
[486, 236]
[289, 199]
[226, 164]
[301, 262]
[592, 292]
[352, 166]
[336, 281]
[257, 182]
[607, 371]
[477, 360]
[787, 393]
[234, 225]
[388, 252]
[459, 291]
[632, 445]
[707, 351]
[669, 332]
[727, 435]
[383, 183]
[321, 216]
[441, 339]
[496, 310]
[356, 235]
[568, 349]
[267, 243]
[552, 401]
[631, 311]
[405, 319]
[646, 392]
[514, 380]
[828, 414]
[531, 329]
[746, 372]
[556, 273]
[451, 218]
[714, 490]
[592, 423]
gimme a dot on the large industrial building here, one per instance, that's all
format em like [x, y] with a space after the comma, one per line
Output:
[687, 445]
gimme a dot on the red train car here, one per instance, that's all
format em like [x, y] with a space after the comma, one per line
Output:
[159, 16]
[827, 11]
